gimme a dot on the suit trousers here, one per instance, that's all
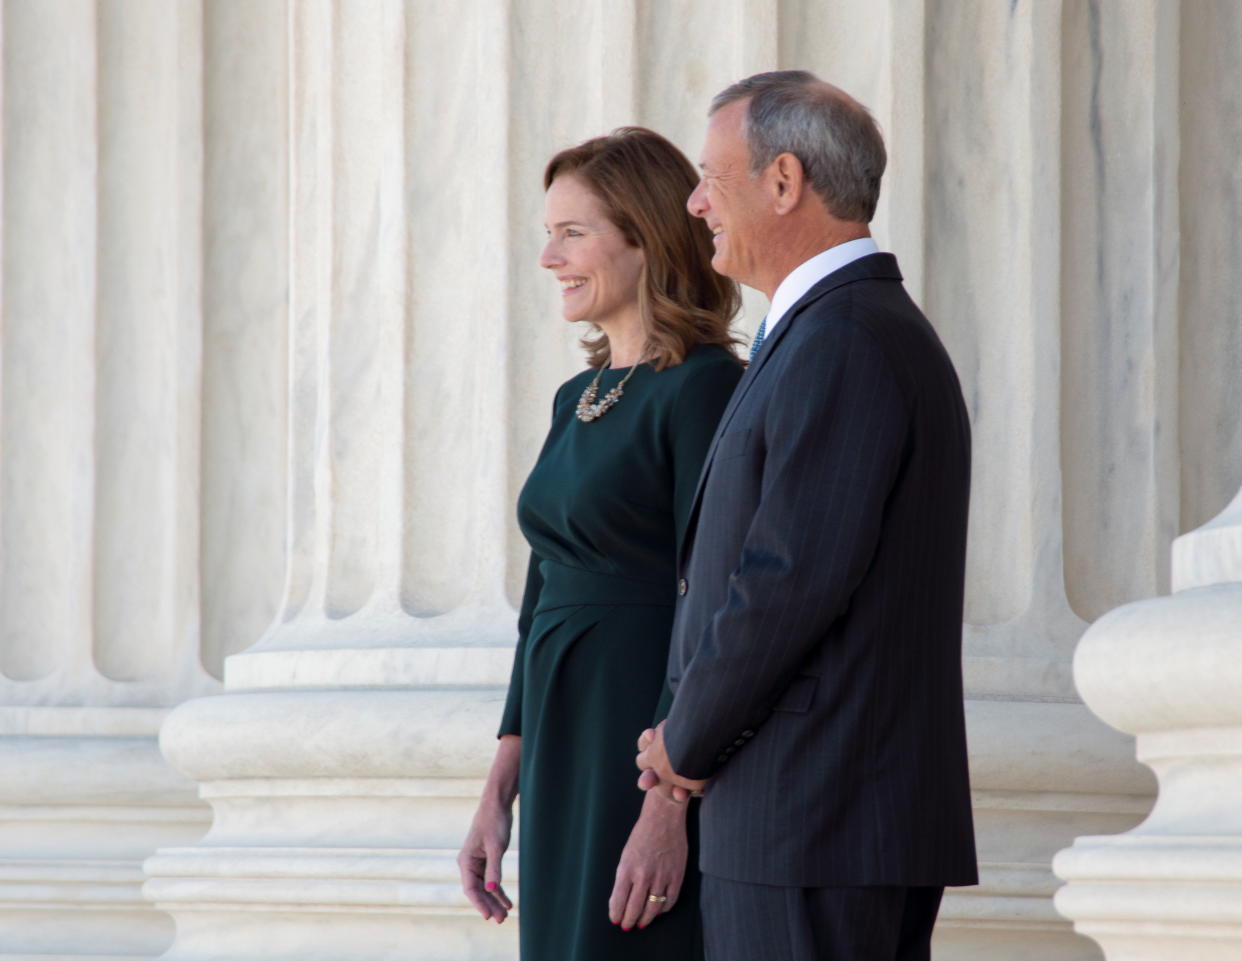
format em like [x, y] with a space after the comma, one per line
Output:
[760, 922]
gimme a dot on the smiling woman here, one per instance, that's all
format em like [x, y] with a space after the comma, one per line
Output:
[633, 185]
[597, 267]
[604, 509]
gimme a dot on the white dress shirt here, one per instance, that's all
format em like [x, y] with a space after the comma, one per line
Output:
[807, 274]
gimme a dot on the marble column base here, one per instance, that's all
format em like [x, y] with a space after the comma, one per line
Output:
[322, 904]
[338, 811]
[79, 813]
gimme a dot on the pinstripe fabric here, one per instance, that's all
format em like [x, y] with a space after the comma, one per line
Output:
[757, 922]
[816, 655]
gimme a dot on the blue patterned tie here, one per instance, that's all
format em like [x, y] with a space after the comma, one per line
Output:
[758, 342]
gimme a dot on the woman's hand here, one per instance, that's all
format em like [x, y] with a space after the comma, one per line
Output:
[488, 837]
[479, 860]
[653, 862]
[657, 771]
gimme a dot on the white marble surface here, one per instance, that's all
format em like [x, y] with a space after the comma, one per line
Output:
[976, 206]
[1211, 554]
[456, 521]
[1209, 283]
[343, 762]
[276, 356]
[47, 384]
[245, 321]
[1120, 259]
[99, 365]
[85, 798]
[1167, 670]
[147, 329]
[98, 467]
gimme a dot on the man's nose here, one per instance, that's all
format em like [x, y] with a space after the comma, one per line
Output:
[696, 203]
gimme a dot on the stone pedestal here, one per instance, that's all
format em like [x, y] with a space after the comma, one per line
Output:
[1169, 670]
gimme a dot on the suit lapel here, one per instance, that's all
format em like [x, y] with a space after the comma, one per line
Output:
[878, 265]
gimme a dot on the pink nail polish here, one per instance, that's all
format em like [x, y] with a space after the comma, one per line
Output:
[491, 885]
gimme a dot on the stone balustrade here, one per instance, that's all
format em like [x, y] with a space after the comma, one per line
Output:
[1168, 670]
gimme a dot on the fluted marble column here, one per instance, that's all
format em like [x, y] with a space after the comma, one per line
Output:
[1166, 669]
[1053, 338]
[98, 446]
[346, 754]
[108, 522]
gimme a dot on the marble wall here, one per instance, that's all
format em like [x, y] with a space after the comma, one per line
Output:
[276, 355]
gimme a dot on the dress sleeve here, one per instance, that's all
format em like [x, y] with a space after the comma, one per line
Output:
[511, 720]
[696, 414]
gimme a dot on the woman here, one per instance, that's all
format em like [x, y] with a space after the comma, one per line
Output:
[603, 510]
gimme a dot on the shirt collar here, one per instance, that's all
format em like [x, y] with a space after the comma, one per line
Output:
[807, 274]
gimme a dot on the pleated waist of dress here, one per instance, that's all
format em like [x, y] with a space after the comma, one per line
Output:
[565, 586]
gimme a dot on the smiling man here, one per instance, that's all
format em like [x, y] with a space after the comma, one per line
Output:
[816, 653]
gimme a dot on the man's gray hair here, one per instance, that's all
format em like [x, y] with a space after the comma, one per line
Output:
[834, 137]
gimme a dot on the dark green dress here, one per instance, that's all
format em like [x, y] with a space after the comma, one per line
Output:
[603, 510]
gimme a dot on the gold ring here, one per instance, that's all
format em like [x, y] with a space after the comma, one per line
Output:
[656, 898]
[696, 793]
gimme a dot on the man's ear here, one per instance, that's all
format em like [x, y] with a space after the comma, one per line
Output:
[788, 182]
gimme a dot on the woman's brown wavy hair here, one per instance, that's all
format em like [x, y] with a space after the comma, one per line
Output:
[644, 182]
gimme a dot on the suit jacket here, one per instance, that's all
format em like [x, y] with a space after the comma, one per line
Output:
[816, 651]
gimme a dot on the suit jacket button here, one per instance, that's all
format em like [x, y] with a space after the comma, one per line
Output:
[682, 587]
[748, 734]
[722, 758]
[739, 742]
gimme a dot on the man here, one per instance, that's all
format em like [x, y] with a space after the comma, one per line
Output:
[816, 658]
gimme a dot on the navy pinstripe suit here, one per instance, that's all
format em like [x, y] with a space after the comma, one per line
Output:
[816, 652]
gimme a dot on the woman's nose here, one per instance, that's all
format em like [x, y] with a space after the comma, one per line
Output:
[551, 256]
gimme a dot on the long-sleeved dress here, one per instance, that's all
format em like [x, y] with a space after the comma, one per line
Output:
[603, 510]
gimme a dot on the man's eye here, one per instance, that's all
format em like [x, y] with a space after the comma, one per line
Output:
[573, 233]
